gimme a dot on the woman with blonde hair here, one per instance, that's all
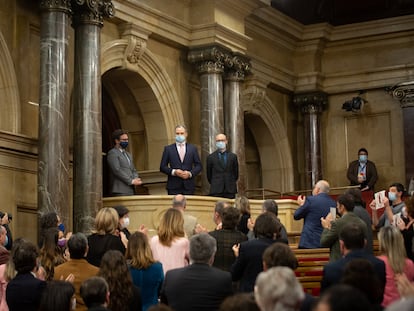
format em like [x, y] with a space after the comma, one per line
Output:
[393, 254]
[146, 272]
[170, 246]
[105, 236]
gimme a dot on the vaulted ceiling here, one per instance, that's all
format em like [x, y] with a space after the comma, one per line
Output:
[342, 12]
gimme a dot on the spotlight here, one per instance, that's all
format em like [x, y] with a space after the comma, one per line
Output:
[354, 105]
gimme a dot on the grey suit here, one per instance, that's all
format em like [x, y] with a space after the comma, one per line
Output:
[122, 172]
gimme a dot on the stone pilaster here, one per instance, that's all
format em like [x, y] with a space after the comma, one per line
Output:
[311, 105]
[234, 115]
[88, 18]
[404, 93]
[54, 107]
[210, 65]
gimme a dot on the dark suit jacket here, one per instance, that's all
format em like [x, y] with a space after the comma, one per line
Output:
[311, 211]
[371, 174]
[24, 292]
[100, 244]
[249, 263]
[333, 271]
[122, 172]
[222, 179]
[171, 160]
[196, 287]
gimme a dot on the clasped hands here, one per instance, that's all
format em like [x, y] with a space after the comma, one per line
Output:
[137, 181]
[182, 174]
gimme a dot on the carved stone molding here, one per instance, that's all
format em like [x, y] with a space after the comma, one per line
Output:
[56, 5]
[404, 92]
[137, 41]
[240, 67]
[210, 59]
[311, 103]
[91, 11]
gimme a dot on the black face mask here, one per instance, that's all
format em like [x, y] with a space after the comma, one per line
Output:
[123, 144]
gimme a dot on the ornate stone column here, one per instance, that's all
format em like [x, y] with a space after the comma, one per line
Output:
[87, 148]
[404, 92]
[234, 115]
[54, 107]
[311, 105]
[210, 64]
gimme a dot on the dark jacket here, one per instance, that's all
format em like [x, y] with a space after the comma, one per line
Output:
[222, 178]
[371, 174]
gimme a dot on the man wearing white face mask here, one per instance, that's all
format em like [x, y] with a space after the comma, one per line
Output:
[222, 170]
[181, 163]
[362, 172]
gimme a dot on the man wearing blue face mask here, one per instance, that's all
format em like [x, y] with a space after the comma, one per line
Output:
[181, 163]
[362, 172]
[123, 172]
[222, 170]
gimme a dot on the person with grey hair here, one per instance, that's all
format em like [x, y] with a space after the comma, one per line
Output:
[77, 266]
[95, 293]
[277, 289]
[181, 163]
[191, 225]
[311, 210]
[206, 285]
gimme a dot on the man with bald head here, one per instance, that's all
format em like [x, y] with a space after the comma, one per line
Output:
[312, 209]
[222, 170]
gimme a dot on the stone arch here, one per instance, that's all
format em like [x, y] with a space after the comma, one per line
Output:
[277, 170]
[9, 92]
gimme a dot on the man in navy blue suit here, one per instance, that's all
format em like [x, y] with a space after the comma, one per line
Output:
[311, 209]
[181, 163]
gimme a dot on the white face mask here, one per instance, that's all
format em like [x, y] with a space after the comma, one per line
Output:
[125, 222]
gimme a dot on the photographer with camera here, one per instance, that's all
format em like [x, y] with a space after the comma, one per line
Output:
[6, 218]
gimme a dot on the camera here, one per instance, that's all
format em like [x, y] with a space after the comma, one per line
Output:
[9, 214]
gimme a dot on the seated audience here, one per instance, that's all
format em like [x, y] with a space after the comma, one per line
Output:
[58, 295]
[226, 237]
[393, 254]
[343, 297]
[77, 266]
[205, 287]
[249, 253]
[25, 290]
[351, 243]
[240, 302]
[105, 236]
[243, 204]
[51, 254]
[170, 246]
[311, 210]
[95, 293]
[362, 213]
[332, 227]
[125, 296]
[146, 272]
[278, 289]
[360, 274]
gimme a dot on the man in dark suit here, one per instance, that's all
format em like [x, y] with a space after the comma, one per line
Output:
[123, 172]
[181, 163]
[222, 170]
[197, 286]
[352, 242]
[25, 290]
[77, 265]
[312, 209]
[362, 172]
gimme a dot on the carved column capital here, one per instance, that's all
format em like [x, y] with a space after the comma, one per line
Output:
[311, 103]
[56, 5]
[210, 59]
[238, 68]
[91, 11]
[404, 92]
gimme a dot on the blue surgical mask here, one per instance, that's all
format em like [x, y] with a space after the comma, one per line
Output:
[180, 139]
[363, 158]
[61, 227]
[220, 145]
[392, 196]
[123, 144]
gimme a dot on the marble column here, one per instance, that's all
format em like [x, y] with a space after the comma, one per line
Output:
[210, 65]
[311, 105]
[87, 110]
[54, 107]
[234, 115]
[404, 92]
